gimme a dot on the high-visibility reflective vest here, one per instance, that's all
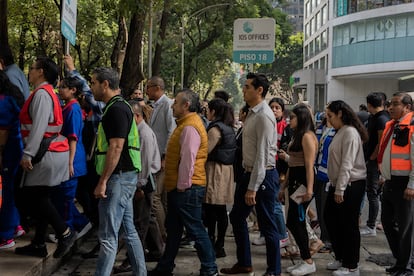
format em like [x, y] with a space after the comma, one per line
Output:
[60, 143]
[400, 154]
[102, 143]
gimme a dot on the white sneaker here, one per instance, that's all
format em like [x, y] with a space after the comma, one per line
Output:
[293, 267]
[368, 231]
[334, 265]
[304, 269]
[284, 242]
[259, 241]
[346, 271]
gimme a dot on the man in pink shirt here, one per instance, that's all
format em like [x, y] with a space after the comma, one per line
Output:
[185, 180]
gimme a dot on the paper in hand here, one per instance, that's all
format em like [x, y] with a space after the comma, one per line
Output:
[297, 196]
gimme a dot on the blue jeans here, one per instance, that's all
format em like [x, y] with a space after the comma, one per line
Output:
[116, 210]
[184, 210]
[265, 208]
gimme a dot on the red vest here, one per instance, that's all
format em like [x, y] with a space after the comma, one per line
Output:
[60, 143]
[400, 155]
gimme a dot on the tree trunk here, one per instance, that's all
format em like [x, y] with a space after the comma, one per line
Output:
[22, 44]
[161, 37]
[118, 53]
[4, 34]
[131, 72]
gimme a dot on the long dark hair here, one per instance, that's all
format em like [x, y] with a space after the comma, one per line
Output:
[9, 89]
[304, 124]
[349, 117]
[222, 111]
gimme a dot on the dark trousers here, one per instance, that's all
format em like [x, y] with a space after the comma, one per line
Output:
[147, 225]
[373, 192]
[320, 200]
[44, 212]
[265, 206]
[296, 223]
[216, 215]
[342, 222]
[397, 219]
[84, 193]
[296, 217]
[184, 210]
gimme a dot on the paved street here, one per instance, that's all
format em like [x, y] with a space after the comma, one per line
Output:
[186, 263]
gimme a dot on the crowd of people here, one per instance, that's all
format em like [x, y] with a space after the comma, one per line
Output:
[150, 170]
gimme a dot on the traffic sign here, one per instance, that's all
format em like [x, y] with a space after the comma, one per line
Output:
[68, 24]
[254, 40]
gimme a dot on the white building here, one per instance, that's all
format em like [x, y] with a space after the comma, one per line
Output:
[354, 47]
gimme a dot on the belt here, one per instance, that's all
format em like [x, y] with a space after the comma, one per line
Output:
[250, 169]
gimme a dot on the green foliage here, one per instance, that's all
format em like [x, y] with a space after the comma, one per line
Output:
[34, 29]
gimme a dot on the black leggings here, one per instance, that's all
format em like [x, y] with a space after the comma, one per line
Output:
[43, 211]
[216, 214]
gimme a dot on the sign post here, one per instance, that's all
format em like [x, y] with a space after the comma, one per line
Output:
[68, 22]
[254, 40]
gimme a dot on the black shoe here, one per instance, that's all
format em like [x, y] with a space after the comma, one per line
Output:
[392, 269]
[64, 245]
[33, 250]
[220, 253]
[151, 258]
[124, 267]
[156, 272]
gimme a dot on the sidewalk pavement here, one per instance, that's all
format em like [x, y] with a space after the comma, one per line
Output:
[187, 262]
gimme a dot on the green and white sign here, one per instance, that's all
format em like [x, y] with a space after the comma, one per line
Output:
[254, 40]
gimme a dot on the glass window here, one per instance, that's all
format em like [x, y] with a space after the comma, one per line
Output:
[324, 41]
[360, 31]
[322, 63]
[324, 15]
[312, 26]
[318, 20]
[306, 52]
[369, 30]
[353, 33]
[379, 29]
[316, 64]
[410, 25]
[362, 5]
[313, 7]
[311, 49]
[337, 38]
[346, 35]
[401, 26]
[317, 44]
[389, 27]
[308, 11]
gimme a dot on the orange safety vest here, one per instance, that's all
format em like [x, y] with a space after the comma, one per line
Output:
[60, 143]
[400, 155]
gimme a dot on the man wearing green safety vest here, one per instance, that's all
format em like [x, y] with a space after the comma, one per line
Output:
[118, 163]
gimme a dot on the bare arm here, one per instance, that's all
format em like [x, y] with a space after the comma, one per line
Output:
[309, 151]
[72, 152]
